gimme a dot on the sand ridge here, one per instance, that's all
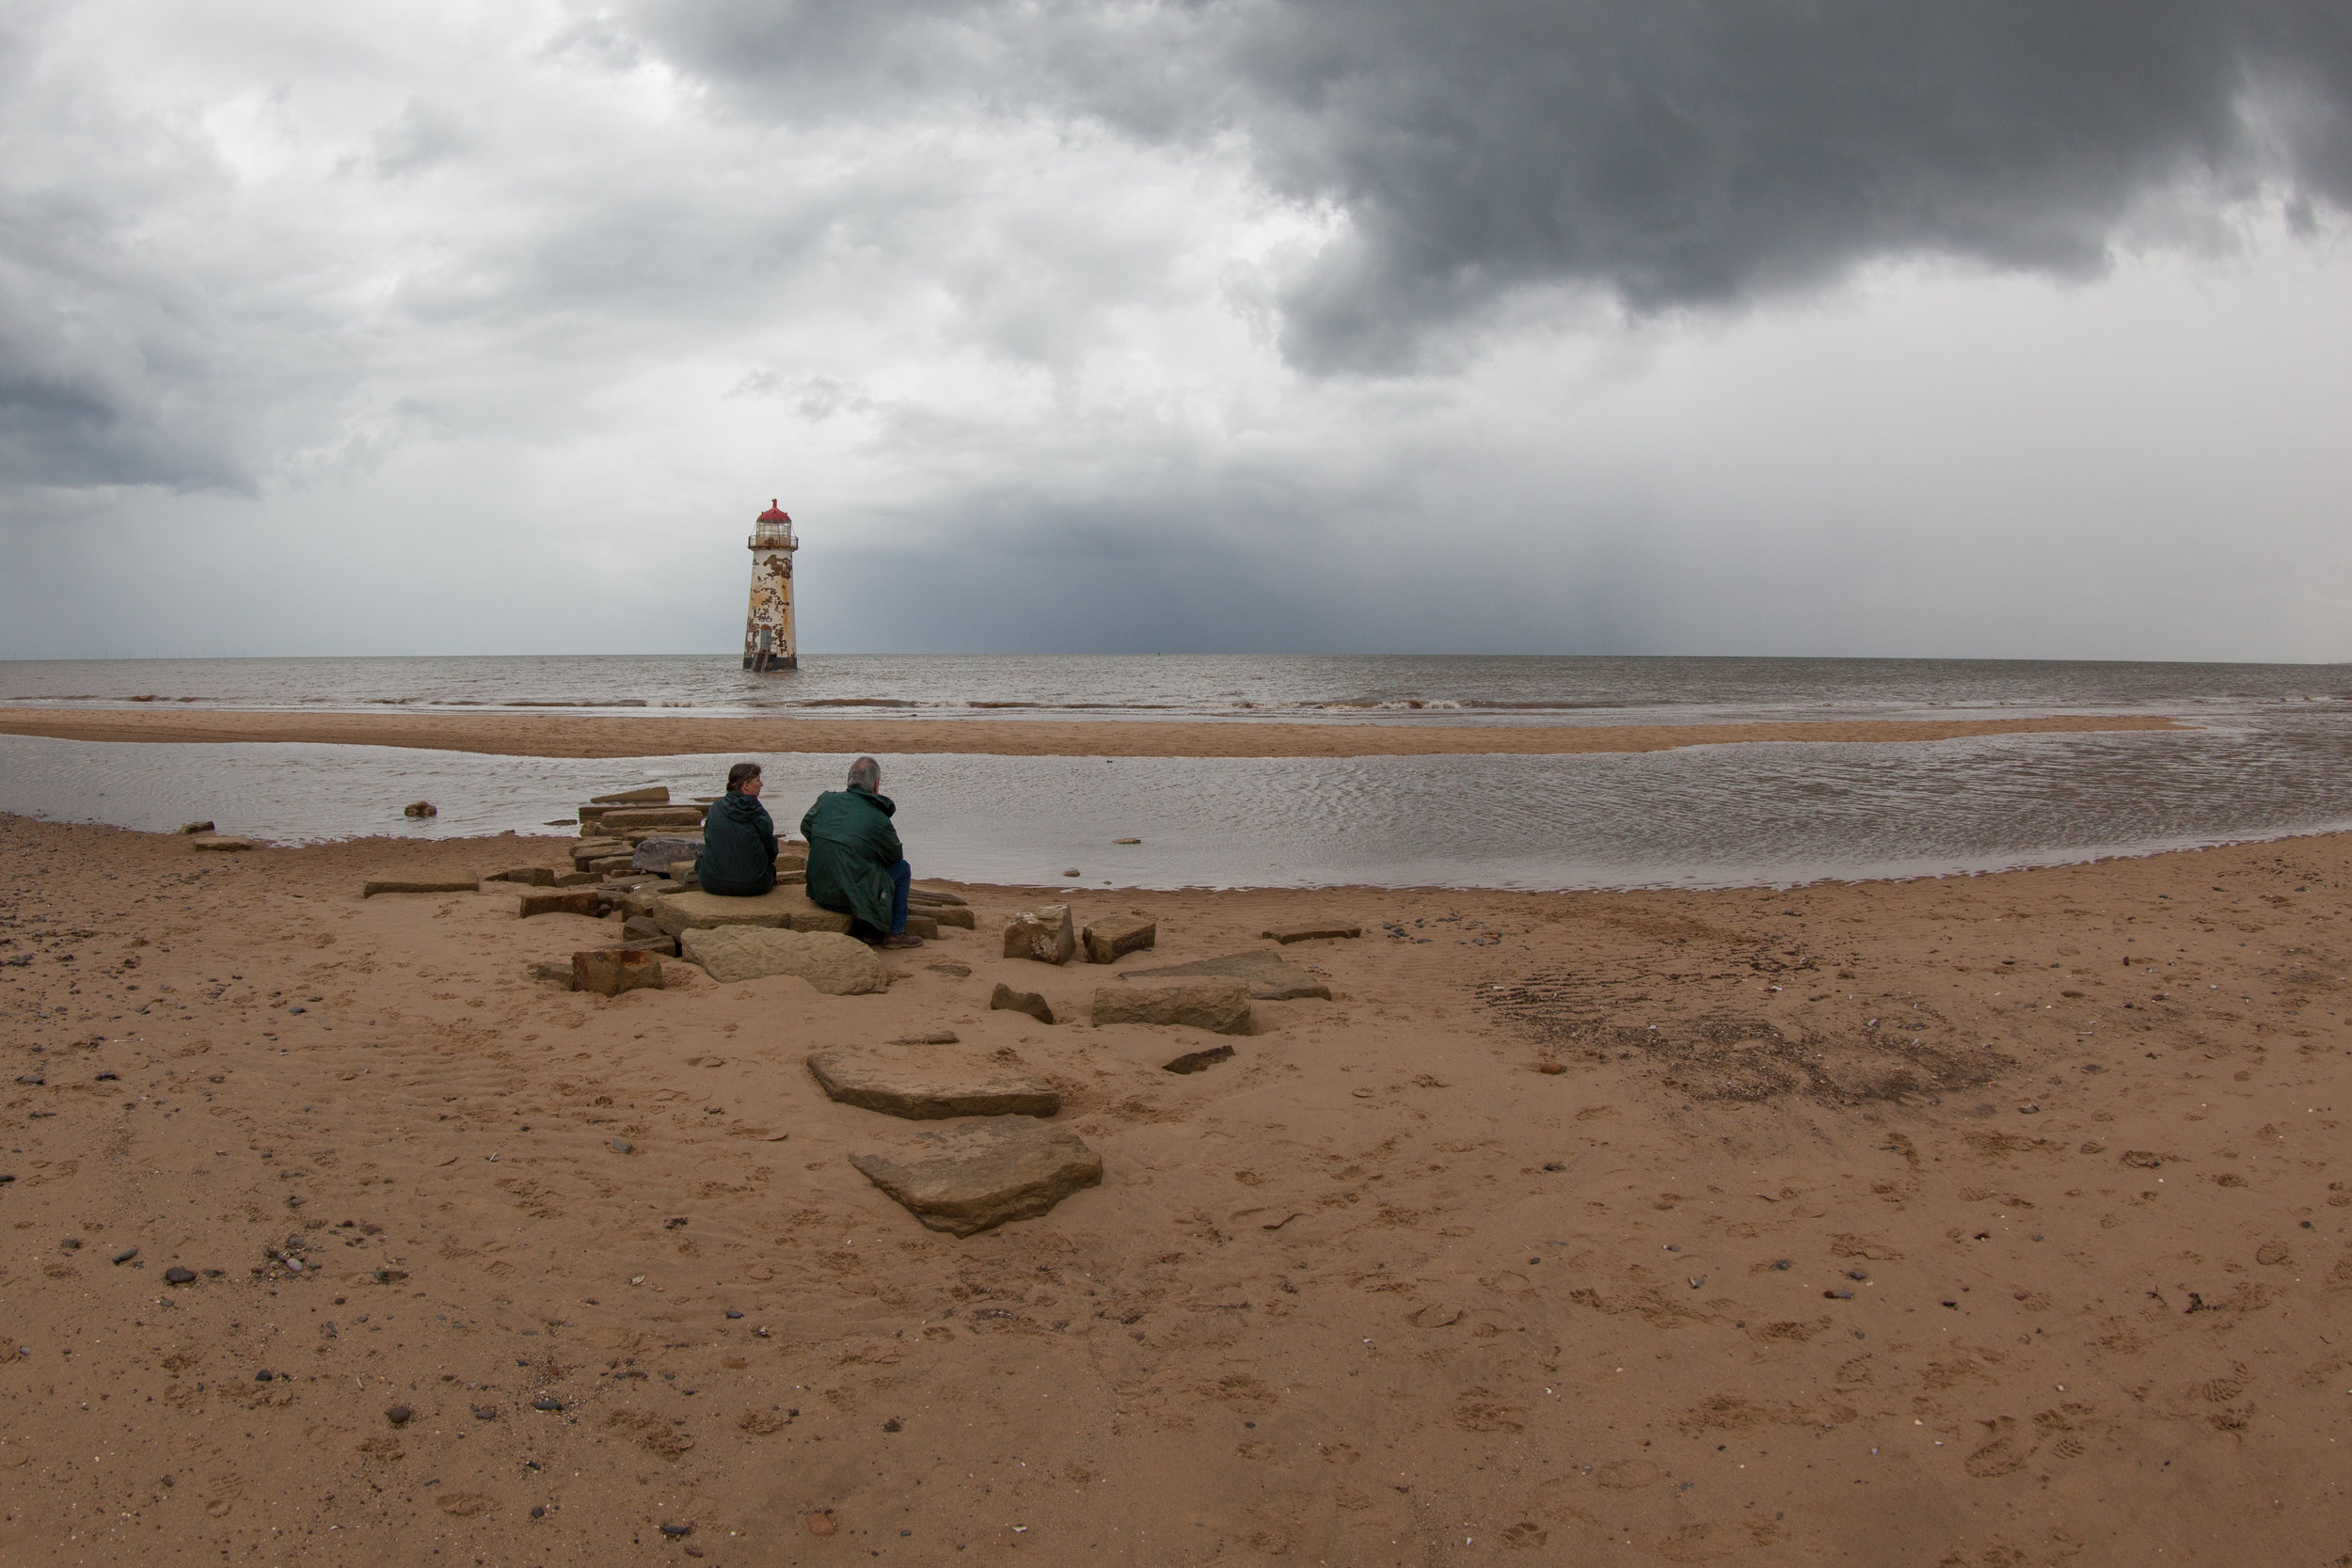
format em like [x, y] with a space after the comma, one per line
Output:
[590, 736]
[1944, 1220]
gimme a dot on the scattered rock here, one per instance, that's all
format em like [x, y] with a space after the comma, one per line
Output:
[651, 795]
[976, 1176]
[125, 1255]
[1107, 941]
[922, 925]
[663, 850]
[529, 876]
[1194, 1061]
[1271, 977]
[1287, 934]
[1042, 934]
[598, 849]
[953, 971]
[560, 900]
[622, 1146]
[819, 1523]
[1074, 872]
[576, 878]
[192, 828]
[417, 884]
[419, 808]
[399, 1415]
[834, 964]
[557, 972]
[1126, 841]
[226, 845]
[928, 1085]
[1006, 1000]
[484, 1411]
[178, 1275]
[548, 1403]
[610, 970]
[937, 1037]
[786, 909]
[1220, 1007]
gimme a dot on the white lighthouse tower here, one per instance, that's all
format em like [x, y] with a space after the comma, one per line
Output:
[768, 642]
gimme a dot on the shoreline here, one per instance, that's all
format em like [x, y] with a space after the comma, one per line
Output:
[548, 736]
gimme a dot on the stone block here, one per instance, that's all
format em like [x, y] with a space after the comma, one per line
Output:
[1311, 931]
[1220, 1007]
[922, 925]
[660, 851]
[933, 896]
[193, 828]
[943, 914]
[651, 795]
[649, 820]
[1107, 940]
[597, 848]
[785, 908]
[1271, 977]
[834, 964]
[535, 876]
[375, 885]
[576, 878]
[225, 845]
[607, 866]
[929, 1086]
[1043, 934]
[1197, 1061]
[977, 1175]
[610, 970]
[1006, 1000]
[560, 900]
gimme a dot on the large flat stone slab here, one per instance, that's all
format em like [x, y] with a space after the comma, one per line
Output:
[376, 885]
[785, 908]
[928, 1084]
[975, 1176]
[1110, 940]
[1314, 932]
[834, 964]
[1219, 1005]
[1271, 977]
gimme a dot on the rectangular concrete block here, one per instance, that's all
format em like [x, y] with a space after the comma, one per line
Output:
[375, 885]
[562, 900]
[610, 970]
[1108, 941]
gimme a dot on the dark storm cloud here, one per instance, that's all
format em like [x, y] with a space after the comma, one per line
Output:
[1671, 152]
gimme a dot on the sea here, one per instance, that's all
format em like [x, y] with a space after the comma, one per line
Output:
[2267, 755]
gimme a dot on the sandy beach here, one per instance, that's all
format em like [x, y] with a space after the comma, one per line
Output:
[1980, 1220]
[574, 736]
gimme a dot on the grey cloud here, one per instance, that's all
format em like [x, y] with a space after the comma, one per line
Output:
[1676, 153]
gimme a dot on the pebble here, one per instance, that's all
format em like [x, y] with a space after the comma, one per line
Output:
[177, 1275]
[266, 1375]
[732, 1313]
[1073, 871]
[399, 1415]
[675, 1530]
[484, 1411]
[621, 1146]
[547, 1401]
[1126, 841]
[126, 1254]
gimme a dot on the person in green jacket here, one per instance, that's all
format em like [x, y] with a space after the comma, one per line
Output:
[738, 857]
[855, 865]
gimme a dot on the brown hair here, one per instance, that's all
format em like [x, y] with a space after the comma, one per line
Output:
[739, 775]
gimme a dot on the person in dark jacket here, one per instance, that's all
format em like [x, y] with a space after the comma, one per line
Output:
[855, 865]
[738, 857]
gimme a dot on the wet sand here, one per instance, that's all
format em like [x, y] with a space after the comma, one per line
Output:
[1995, 1219]
[576, 736]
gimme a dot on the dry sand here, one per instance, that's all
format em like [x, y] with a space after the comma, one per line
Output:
[1973, 1221]
[540, 735]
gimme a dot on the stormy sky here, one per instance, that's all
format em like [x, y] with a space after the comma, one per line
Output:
[1988, 329]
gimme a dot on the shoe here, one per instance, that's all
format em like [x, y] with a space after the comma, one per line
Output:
[901, 940]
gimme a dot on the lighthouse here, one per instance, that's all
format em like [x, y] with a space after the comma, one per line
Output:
[768, 627]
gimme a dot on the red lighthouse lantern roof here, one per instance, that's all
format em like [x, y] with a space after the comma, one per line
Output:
[776, 514]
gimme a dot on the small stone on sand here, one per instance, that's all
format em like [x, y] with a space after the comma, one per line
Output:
[1006, 999]
[980, 1174]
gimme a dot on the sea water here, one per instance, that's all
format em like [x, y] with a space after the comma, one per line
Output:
[2269, 755]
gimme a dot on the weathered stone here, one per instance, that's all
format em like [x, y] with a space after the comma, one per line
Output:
[226, 845]
[1312, 931]
[922, 925]
[647, 819]
[193, 828]
[929, 1086]
[925, 895]
[1271, 977]
[1006, 1000]
[561, 900]
[944, 914]
[686, 873]
[535, 876]
[419, 808]
[634, 925]
[785, 908]
[1107, 941]
[553, 973]
[375, 885]
[936, 1036]
[576, 878]
[1195, 1061]
[608, 865]
[596, 848]
[976, 1176]
[1042, 934]
[652, 794]
[610, 970]
[663, 850]
[953, 971]
[1220, 1006]
[834, 964]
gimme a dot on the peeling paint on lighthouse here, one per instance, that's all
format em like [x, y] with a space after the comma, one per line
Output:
[768, 642]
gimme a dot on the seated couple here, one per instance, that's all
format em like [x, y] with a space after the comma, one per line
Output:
[855, 865]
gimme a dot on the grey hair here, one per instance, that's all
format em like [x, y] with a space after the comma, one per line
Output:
[867, 772]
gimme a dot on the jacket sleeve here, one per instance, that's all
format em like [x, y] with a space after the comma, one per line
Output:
[766, 832]
[886, 841]
[807, 818]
